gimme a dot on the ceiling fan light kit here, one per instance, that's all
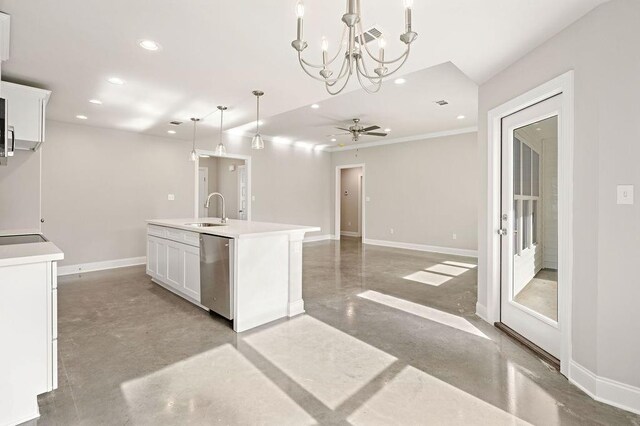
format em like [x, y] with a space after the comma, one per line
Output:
[356, 130]
[356, 50]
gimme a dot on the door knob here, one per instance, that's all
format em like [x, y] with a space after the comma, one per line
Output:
[502, 231]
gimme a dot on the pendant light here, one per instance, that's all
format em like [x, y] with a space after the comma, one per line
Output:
[221, 150]
[257, 142]
[194, 155]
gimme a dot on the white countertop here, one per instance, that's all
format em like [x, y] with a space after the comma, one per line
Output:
[234, 228]
[20, 254]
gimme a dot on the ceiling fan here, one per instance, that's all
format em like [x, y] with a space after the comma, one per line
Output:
[357, 130]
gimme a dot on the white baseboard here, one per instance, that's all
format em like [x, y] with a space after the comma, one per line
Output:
[296, 308]
[481, 311]
[101, 266]
[605, 390]
[349, 234]
[315, 238]
[422, 247]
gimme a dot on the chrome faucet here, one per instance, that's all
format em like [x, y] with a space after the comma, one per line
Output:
[224, 217]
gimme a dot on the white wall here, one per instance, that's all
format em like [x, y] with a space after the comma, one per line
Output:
[602, 49]
[20, 192]
[100, 185]
[350, 200]
[425, 190]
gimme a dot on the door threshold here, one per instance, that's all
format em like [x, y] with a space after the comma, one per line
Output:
[537, 350]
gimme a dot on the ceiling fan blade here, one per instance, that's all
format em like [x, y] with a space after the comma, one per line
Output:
[342, 128]
[367, 129]
[337, 134]
[374, 134]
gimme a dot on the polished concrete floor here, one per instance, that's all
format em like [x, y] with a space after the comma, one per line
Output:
[374, 348]
[541, 294]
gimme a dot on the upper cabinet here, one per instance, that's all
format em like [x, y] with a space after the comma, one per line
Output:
[26, 108]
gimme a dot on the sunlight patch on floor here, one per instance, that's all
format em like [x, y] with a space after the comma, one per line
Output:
[461, 264]
[426, 312]
[429, 278]
[447, 269]
[329, 364]
[414, 397]
[218, 386]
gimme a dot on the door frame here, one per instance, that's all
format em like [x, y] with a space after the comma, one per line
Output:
[247, 162]
[563, 84]
[337, 203]
[206, 170]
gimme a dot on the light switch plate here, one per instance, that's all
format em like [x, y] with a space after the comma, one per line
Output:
[171, 197]
[625, 194]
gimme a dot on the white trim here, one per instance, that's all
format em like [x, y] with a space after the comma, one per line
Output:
[559, 85]
[349, 234]
[315, 238]
[422, 247]
[605, 390]
[337, 202]
[481, 311]
[101, 266]
[247, 162]
[296, 308]
[403, 140]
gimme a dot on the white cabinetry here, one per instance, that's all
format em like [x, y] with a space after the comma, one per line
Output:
[26, 110]
[29, 333]
[173, 260]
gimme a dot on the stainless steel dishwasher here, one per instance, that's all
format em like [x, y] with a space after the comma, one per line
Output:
[216, 288]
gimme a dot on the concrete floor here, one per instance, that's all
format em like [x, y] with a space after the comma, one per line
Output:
[541, 294]
[373, 348]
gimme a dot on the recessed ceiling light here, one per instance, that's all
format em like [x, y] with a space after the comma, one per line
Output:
[461, 117]
[387, 130]
[81, 117]
[95, 101]
[115, 80]
[315, 106]
[400, 81]
[149, 45]
[171, 132]
[333, 139]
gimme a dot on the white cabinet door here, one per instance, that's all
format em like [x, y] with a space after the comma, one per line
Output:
[161, 271]
[26, 106]
[152, 256]
[192, 272]
[175, 265]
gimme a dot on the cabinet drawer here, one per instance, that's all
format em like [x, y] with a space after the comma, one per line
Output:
[156, 231]
[184, 237]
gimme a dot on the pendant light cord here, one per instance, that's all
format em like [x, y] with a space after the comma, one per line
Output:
[221, 117]
[258, 116]
[195, 123]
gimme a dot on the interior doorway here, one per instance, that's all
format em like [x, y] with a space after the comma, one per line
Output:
[516, 262]
[230, 176]
[350, 219]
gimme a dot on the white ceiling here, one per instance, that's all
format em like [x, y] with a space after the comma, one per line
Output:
[217, 52]
[408, 110]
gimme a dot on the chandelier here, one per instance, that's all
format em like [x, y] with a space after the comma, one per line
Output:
[356, 51]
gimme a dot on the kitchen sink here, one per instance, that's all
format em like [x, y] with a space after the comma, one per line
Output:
[205, 224]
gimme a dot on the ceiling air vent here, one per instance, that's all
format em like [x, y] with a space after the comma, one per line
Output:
[442, 102]
[175, 123]
[371, 34]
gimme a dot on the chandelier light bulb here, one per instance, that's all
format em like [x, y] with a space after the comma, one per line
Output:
[325, 44]
[300, 9]
[382, 43]
[408, 4]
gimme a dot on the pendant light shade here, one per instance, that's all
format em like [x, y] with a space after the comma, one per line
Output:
[194, 156]
[257, 142]
[221, 150]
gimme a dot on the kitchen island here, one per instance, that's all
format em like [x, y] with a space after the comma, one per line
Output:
[256, 270]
